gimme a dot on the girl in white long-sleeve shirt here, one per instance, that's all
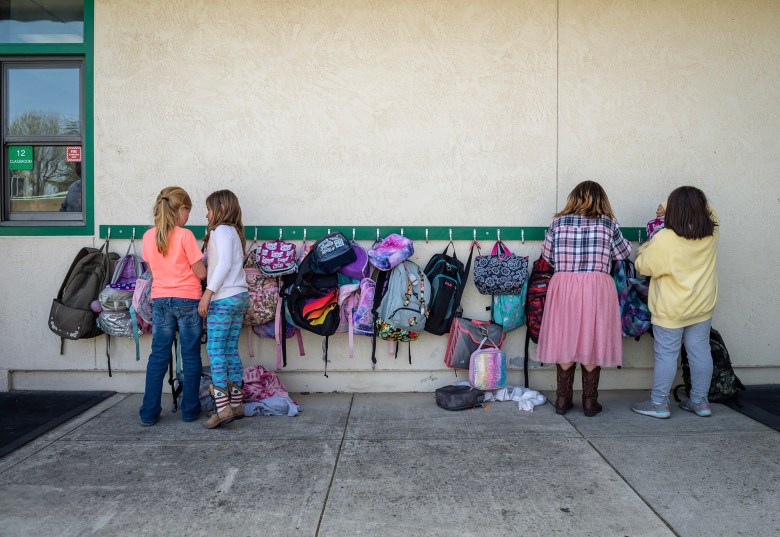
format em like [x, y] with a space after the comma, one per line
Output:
[224, 303]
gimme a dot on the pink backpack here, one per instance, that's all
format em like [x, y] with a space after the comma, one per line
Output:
[142, 302]
[276, 258]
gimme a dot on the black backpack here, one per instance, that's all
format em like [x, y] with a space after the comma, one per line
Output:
[447, 277]
[330, 253]
[725, 383]
[312, 302]
[71, 315]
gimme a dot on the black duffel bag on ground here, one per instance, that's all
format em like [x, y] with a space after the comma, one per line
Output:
[459, 397]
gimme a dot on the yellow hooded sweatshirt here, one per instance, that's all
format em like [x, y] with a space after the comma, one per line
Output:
[684, 281]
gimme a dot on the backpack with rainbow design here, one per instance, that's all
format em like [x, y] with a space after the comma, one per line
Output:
[312, 301]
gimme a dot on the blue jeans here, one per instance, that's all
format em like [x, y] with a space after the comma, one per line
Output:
[169, 315]
[667, 343]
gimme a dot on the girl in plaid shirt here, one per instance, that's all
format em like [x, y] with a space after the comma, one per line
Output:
[581, 321]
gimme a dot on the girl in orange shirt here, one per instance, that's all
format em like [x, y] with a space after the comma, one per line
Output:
[177, 268]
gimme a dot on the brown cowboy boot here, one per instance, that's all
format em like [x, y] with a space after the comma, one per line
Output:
[565, 389]
[590, 391]
[236, 400]
[222, 412]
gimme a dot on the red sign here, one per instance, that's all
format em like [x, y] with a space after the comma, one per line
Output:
[73, 153]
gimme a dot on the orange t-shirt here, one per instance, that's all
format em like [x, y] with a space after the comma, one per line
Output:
[172, 275]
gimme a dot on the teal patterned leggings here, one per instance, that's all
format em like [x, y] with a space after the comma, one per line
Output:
[223, 326]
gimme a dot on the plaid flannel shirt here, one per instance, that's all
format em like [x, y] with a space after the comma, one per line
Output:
[575, 243]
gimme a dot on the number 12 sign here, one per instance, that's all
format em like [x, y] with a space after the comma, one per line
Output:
[20, 157]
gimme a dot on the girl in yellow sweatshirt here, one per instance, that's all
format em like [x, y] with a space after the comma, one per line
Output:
[681, 262]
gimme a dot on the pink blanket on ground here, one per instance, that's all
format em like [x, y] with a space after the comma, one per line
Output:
[260, 383]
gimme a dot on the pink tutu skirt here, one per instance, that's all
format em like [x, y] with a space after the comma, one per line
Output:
[581, 321]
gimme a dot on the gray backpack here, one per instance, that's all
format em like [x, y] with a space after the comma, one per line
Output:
[405, 304]
[71, 315]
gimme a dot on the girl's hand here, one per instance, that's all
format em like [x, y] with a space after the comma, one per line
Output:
[203, 307]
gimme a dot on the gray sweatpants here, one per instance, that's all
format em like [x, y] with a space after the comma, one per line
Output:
[668, 341]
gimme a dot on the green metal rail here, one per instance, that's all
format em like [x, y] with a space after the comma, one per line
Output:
[370, 233]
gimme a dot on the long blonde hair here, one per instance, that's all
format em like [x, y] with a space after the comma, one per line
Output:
[225, 210]
[166, 213]
[588, 199]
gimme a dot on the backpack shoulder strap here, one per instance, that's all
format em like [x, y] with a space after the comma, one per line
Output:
[378, 291]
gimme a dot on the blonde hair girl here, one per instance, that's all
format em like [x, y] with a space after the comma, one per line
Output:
[175, 261]
[169, 206]
[224, 303]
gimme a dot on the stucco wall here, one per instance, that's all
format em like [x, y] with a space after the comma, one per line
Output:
[357, 112]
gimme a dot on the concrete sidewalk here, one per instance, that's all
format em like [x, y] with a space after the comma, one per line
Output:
[396, 464]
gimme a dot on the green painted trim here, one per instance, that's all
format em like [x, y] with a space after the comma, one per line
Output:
[368, 233]
[44, 231]
[47, 49]
[86, 50]
[88, 171]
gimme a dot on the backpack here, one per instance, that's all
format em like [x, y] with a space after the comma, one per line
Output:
[118, 294]
[725, 383]
[448, 278]
[509, 310]
[632, 292]
[459, 397]
[272, 330]
[400, 310]
[359, 268]
[330, 253]
[355, 301]
[390, 251]
[536, 295]
[118, 318]
[71, 315]
[403, 309]
[312, 302]
[141, 309]
[142, 301]
[263, 296]
[273, 258]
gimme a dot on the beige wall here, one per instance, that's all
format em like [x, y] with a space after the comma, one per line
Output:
[358, 112]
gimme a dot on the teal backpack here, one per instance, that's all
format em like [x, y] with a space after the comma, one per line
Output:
[509, 310]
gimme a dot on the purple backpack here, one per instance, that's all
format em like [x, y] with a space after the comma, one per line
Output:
[359, 268]
[391, 252]
[356, 301]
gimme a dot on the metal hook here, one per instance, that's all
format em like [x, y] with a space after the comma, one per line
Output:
[402, 232]
[475, 234]
[132, 237]
[522, 235]
[304, 234]
[328, 231]
[280, 233]
[426, 234]
[450, 234]
[377, 234]
[353, 234]
[639, 236]
[255, 234]
[108, 235]
[498, 235]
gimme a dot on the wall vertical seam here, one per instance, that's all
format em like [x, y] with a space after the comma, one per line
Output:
[557, 97]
